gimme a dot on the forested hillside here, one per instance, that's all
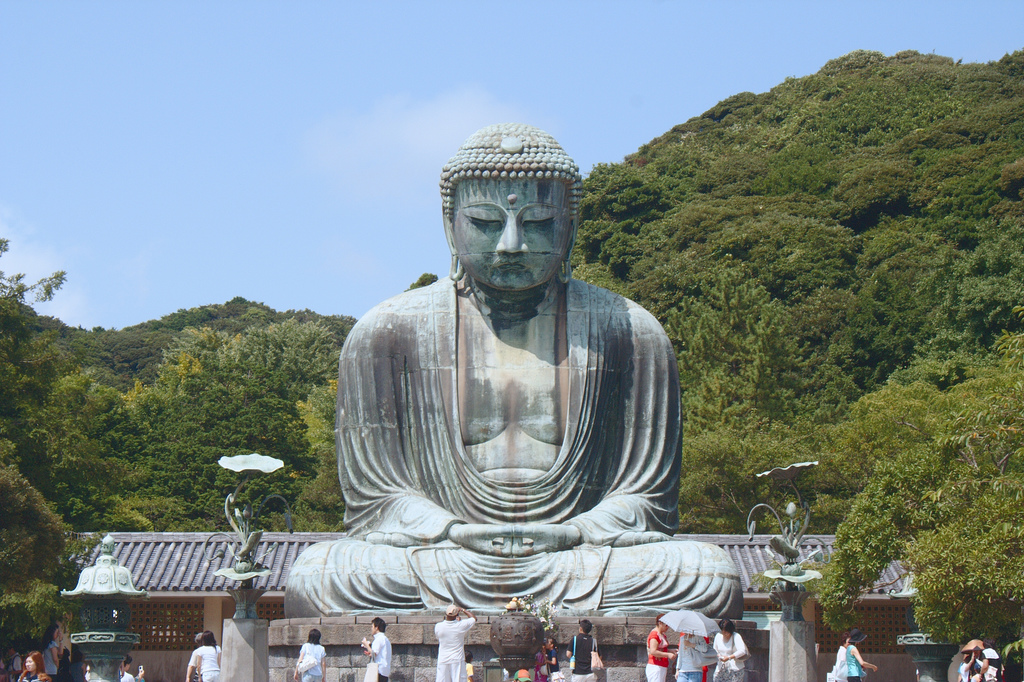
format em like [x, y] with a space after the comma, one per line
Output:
[120, 357]
[837, 262]
[845, 233]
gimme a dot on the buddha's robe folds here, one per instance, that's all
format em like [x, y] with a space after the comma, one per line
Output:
[407, 479]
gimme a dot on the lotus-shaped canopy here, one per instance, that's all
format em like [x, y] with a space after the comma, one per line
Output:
[788, 473]
[106, 578]
[254, 463]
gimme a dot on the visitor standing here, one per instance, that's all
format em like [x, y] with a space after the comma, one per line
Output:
[658, 655]
[193, 661]
[732, 652]
[451, 644]
[379, 648]
[973, 667]
[63, 668]
[12, 663]
[33, 671]
[581, 653]
[692, 658]
[50, 648]
[125, 664]
[77, 665]
[311, 658]
[995, 661]
[551, 655]
[855, 663]
[206, 659]
[838, 673]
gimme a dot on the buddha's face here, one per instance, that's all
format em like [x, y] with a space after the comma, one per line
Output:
[512, 235]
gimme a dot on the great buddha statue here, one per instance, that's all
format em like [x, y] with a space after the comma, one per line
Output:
[510, 430]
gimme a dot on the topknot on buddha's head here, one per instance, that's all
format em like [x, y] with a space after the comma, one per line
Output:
[509, 150]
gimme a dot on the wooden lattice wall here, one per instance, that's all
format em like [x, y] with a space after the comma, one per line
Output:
[270, 609]
[167, 625]
[882, 621]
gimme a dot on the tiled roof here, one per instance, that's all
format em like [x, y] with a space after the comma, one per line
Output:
[749, 557]
[177, 562]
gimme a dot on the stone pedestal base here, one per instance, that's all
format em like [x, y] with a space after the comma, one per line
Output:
[245, 656]
[792, 657]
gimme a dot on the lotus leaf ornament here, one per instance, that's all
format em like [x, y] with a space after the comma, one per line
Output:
[254, 463]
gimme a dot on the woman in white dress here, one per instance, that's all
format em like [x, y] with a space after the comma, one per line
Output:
[732, 652]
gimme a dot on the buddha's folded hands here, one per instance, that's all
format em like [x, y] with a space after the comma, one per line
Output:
[515, 539]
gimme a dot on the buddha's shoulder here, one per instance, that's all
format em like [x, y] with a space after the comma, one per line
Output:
[406, 310]
[598, 300]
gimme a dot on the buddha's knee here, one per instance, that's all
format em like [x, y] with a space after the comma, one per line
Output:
[674, 574]
[349, 575]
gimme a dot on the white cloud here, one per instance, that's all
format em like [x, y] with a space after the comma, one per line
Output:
[401, 140]
[30, 255]
[27, 255]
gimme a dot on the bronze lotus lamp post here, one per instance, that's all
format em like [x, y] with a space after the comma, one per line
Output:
[104, 590]
[788, 590]
[243, 547]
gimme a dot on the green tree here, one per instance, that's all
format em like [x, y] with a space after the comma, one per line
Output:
[220, 395]
[32, 550]
[29, 361]
[320, 505]
[950, 508]
[735, 363]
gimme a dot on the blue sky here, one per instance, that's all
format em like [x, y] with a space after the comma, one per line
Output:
[168, 155]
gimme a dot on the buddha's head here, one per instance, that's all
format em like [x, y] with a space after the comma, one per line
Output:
[510, 199]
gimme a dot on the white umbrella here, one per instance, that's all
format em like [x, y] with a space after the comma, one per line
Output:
[685, 621]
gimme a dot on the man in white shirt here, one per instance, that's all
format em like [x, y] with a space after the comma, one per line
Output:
[125, 675]
[379, 649]
[451, 644]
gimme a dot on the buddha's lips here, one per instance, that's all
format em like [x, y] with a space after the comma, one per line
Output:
[508, 264]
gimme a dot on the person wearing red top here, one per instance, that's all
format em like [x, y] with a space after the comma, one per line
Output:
[658, 655]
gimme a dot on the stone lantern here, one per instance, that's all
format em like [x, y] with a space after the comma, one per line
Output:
[931, 658]
[104, 590]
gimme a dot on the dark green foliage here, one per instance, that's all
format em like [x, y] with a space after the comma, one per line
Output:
[834, 260]
[320, 504]
[120, 357]
[218, 395]
[31, 549]
[427, 278]
[949, 505]
[877, 202]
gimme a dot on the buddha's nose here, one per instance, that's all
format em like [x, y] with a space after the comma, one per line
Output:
[512, 237]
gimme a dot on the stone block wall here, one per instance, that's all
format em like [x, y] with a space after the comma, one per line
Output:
[622, 642]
